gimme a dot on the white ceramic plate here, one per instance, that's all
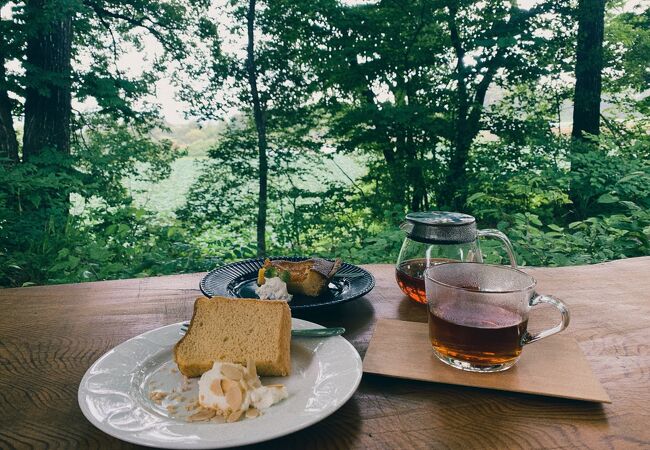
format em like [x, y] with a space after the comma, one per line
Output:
[114, 392]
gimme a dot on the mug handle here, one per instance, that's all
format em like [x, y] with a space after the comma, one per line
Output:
[496, 234]
[564, 311]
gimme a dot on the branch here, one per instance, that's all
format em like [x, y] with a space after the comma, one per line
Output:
[8, 141]
[356, 186]
[416, 34]
[136, 22]
[611, 126]
[518, 18]
[493, 65]
[108, 27]
[369, 96]
[455, 36]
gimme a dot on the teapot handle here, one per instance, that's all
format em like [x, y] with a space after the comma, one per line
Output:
[496, 234]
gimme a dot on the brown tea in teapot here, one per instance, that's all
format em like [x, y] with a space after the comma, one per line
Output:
[410, 277]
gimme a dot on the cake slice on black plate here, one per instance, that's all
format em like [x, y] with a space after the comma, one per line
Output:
[309, 277]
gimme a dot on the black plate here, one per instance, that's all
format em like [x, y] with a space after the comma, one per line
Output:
[240, 280]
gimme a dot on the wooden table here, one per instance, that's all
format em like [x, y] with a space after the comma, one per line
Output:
[50, 335]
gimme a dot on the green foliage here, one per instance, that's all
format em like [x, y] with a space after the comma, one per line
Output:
[104, 235]
[364, 110]
[610, 220]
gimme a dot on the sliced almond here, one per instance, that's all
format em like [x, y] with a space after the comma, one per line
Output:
[252, 412]
[234, 397]
[254, 384]
[234, 416]
[232, 372]
[201, 416]
[252, 369]
[218, 419]
[279, 386]
[157, 395]
[226, 384]
[215, 387]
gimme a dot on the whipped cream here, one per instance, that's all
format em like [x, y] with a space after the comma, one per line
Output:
[273, 289]
[266, 396]
[229, 388]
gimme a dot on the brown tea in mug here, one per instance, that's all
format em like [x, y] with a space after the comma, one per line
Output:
[410, 277]
[479, 333]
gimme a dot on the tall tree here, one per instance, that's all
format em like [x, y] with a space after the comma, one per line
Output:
[589, 67]
[52, 42]
[411, 79]
[48, 73]
[266, 146]
[488, 42]
[260, 126]
[8, 140]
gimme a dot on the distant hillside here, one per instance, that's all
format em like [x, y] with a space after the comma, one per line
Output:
[196, 138]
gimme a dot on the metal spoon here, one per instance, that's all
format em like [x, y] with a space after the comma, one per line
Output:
[305, 332]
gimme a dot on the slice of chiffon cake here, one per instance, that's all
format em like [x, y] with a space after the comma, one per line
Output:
[233, 330]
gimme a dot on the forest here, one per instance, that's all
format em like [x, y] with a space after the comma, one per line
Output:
[335, 118]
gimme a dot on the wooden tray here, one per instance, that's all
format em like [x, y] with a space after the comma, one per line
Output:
[554, 367]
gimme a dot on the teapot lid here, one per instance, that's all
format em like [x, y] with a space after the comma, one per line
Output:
[441, 227]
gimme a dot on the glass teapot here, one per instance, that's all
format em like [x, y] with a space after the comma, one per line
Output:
[436, 237]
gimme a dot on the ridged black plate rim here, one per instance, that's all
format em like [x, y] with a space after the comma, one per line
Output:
[226, 280]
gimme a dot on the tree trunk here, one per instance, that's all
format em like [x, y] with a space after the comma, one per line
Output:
[8, 141]
[384, 140]
[412, 183]
[260, 125]
[47, 96]
[454, 193]
[448, 196]
[589, 66]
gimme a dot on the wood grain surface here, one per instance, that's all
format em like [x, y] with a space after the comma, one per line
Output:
[50, 335]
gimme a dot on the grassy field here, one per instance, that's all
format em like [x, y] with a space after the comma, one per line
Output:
[170, 194]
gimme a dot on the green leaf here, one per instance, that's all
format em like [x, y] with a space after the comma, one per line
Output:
[73, 261]
[534, 220]
[607, 198]
[630, 205]
[34, 198]
[285, 276]
[476, 196]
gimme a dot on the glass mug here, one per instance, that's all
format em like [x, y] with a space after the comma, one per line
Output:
[436, 237]
[478, 314]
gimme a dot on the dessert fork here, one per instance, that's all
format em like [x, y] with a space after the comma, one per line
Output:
[305, 332]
